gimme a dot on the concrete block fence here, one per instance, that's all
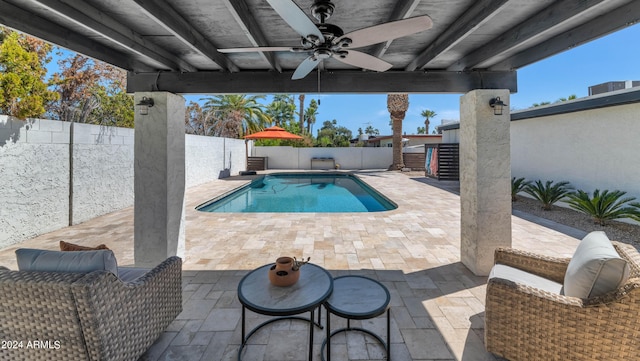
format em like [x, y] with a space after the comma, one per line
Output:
[40, 193]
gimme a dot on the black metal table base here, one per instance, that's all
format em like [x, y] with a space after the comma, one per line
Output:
[327, 341]
[310, 320]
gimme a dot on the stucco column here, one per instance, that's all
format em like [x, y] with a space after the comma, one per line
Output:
[159, 178]
[485, 179]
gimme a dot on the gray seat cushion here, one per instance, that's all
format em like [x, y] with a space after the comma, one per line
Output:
[522, 277]
[58, 261]
[595, 268]
[130, 274]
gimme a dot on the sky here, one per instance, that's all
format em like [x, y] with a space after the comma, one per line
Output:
[614, 57]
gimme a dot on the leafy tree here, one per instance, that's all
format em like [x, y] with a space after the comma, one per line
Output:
[518, 185]
[332, 135]
[235, 115]
[116, 106]
[77, 81]
[23, 92]
[421, 130]
[549, 193]
[603, 206]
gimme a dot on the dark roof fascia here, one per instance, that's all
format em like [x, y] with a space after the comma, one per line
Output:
[626, 96]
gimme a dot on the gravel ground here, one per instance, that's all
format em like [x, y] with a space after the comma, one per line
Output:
[615, 230]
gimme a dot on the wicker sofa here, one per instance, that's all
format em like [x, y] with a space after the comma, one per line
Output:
[527, 323]
[86, 316]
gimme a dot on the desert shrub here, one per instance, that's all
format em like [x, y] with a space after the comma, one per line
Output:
[548, 193]
[517, 186]
[603, 207]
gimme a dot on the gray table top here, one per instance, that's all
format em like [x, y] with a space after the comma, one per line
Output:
[258, 294]
[358, 297]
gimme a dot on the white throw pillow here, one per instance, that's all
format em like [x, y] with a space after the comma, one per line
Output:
[595, 268]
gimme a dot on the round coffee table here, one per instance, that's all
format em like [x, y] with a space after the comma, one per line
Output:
[357, 298]
[257, 294]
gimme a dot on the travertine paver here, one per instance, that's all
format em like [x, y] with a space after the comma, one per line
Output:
[437, 303]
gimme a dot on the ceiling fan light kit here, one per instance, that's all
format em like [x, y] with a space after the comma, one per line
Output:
[323, 41]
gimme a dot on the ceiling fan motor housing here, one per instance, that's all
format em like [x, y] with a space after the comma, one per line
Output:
[322, 10]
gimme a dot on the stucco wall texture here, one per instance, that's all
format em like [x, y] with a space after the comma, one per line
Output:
[594, 149]
[34, 168]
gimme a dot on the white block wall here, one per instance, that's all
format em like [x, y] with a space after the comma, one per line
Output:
[34, 168]
[598, 148]
[348, 158]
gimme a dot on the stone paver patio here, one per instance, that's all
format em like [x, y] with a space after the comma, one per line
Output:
[437, 304]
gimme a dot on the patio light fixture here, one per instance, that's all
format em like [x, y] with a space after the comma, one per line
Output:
[145, 104]
[497, 105]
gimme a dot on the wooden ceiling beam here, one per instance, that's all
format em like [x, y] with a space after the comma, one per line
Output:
[347, 81]
[163, 14]
[240, 11]
[617, 19]
[550, 17]
[472, 18]
[402, 10]
[34, 25]
[96, 21]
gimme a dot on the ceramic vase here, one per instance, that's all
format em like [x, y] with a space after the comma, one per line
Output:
[282, 274]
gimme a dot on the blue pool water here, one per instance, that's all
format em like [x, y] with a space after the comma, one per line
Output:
[302, 192]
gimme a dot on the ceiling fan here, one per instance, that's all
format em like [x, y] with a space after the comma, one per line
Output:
[323, 40]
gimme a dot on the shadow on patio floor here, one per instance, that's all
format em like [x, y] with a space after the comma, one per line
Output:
[435, 315]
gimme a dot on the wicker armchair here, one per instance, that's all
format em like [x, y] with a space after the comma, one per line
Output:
[86, 316]
[525, 323]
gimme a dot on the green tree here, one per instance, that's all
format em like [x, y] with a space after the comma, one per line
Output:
[23, 91]
[333, 135]
[421, 130]
[235, 115]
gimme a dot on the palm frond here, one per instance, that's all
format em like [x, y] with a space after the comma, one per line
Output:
[548, 193]
[605, 206]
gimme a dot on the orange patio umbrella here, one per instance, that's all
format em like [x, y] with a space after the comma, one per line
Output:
[274, 132]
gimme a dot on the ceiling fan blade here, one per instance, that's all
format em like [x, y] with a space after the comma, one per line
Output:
[387, 31]
[363, 60]
[296, 18]
[305, 67]
[264, 48]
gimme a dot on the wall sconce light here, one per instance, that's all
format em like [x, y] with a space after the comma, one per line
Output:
[497, 105]
[144, 105]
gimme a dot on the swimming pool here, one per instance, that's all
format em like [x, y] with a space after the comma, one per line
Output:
[302, 192]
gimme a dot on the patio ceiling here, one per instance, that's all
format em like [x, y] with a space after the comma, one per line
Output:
[173, 45]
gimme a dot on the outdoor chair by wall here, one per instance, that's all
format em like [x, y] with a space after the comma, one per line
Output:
[87, 316]
[523, 322]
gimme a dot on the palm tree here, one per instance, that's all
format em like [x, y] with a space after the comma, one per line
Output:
[237, 114]
[397, 105]
[310, 114]
[301, 112]
[605, 206]
[427, 114]
[549, 193]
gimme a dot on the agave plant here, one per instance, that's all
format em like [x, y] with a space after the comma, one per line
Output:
[603, 206]
[517, 186]
[549, 193]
